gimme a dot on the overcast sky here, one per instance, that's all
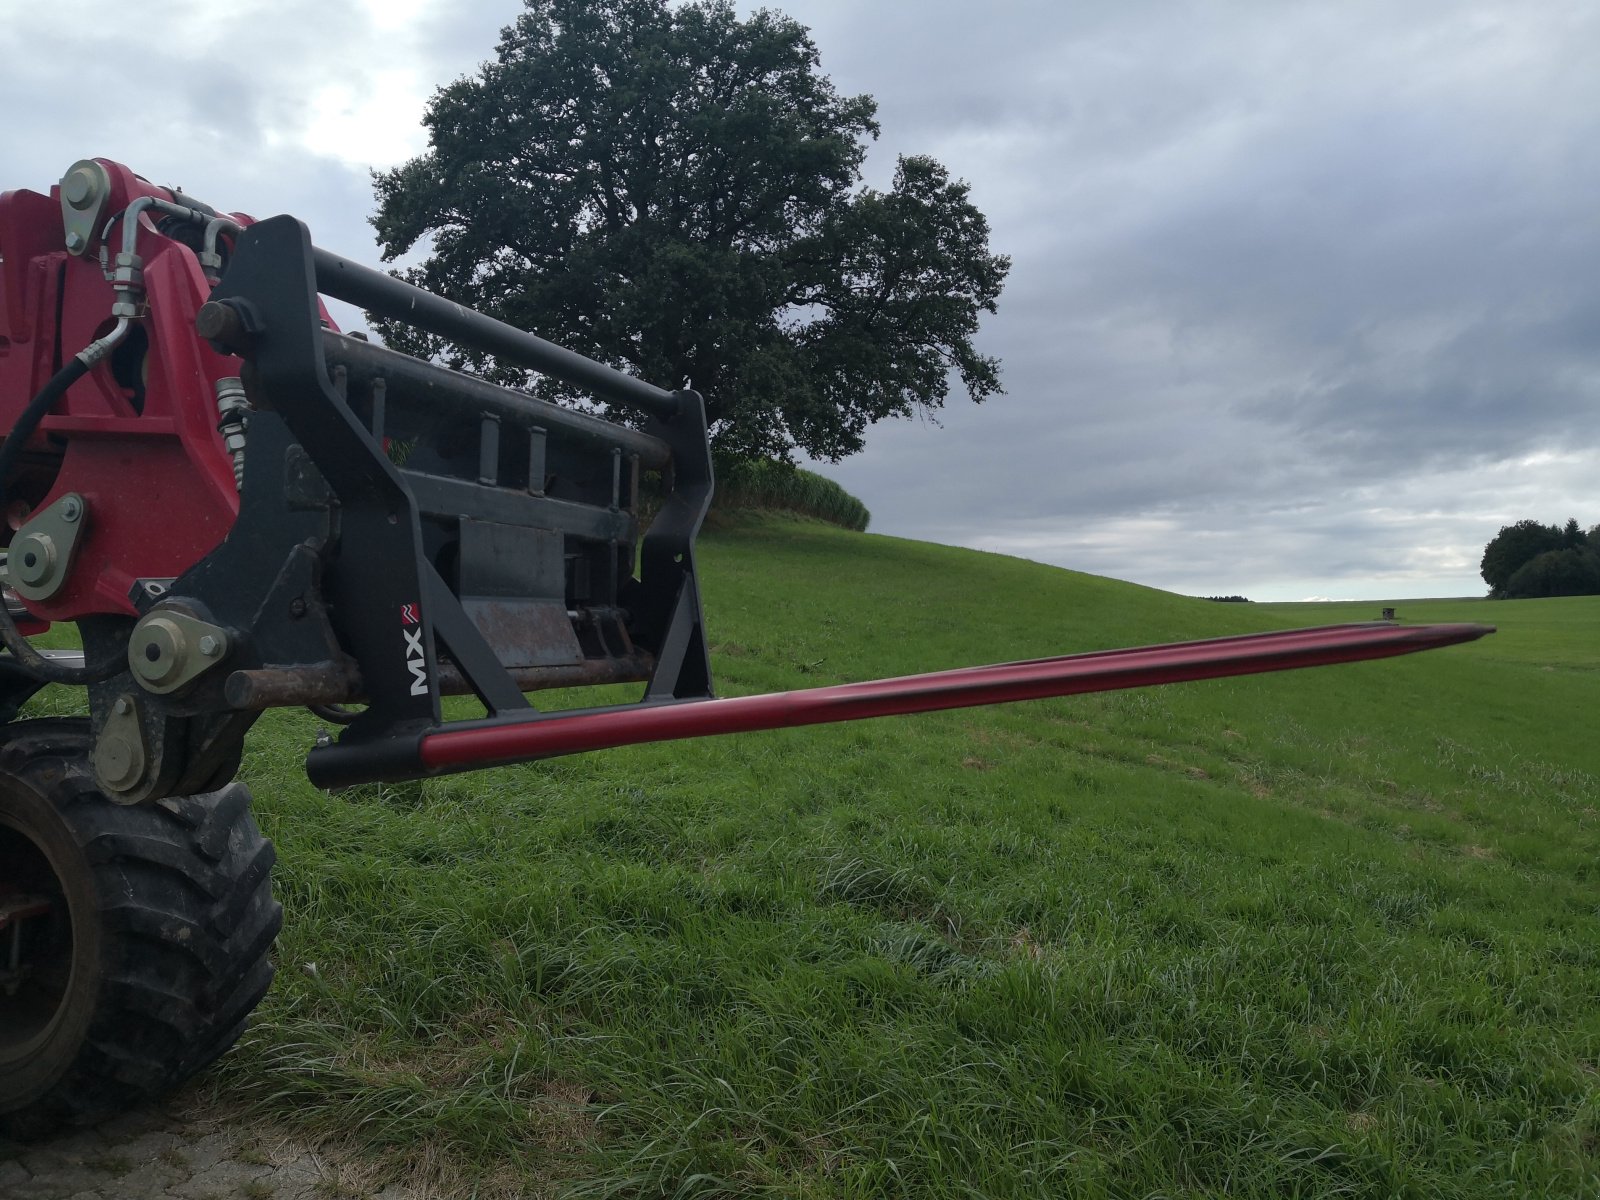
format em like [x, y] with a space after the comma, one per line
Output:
[1304, 303]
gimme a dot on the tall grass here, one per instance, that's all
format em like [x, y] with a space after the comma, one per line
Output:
[1316, 934]
[765, 484]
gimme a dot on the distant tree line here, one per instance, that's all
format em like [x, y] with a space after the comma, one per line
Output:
[1530, 559]
[1230, 599]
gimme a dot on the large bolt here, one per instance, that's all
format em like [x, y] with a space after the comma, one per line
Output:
[79, 188]
[210, 646]
[76, 243]
[220, 322]
[33, 560]
[118, 761]
[158, 650]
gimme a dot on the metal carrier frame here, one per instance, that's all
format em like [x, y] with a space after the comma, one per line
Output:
[406, 531]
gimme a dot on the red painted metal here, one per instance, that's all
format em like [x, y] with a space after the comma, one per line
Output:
[487, 744]
[158, 483]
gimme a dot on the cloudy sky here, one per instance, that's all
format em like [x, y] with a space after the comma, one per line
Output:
[1305, 299]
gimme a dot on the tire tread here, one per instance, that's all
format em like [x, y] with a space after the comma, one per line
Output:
[187, 920]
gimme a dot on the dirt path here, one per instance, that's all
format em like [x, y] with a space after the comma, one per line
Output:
[172, 1154]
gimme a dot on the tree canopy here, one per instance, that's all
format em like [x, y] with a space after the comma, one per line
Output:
[677, 192]
[1529, 559]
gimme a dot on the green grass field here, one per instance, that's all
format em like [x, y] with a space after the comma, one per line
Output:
[1324, 933]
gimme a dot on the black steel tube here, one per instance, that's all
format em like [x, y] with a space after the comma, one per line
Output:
[425, 383]
[400, 301]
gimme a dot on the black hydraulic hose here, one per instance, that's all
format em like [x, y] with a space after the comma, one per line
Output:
[335, 714]
[29, 659]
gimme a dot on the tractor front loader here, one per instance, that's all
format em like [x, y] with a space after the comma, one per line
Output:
[241, 508]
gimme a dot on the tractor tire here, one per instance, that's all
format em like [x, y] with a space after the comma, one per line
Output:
[147, 943]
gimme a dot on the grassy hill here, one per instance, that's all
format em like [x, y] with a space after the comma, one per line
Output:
[1315, 933]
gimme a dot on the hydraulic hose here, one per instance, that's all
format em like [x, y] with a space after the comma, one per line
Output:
[334, 714]
[27, 657]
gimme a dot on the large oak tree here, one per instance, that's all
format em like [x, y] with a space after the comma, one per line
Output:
[677, 192]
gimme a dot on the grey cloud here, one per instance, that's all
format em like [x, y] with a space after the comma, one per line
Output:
[1296, 286]
[1267, 257]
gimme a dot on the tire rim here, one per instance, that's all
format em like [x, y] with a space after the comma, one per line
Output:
[35, 944]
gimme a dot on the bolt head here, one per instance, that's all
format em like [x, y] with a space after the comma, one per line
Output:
[210, 646]
[71, 508]
[79, 189]
[33, 559]
[122, 708]
[118, 762]
[157, 651]
[76, 243]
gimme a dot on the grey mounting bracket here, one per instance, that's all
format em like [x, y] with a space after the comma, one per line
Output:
[85, 188]
[40, 558]
[170, 648]
[120, 755]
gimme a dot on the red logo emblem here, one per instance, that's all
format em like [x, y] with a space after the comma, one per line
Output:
[409, 614]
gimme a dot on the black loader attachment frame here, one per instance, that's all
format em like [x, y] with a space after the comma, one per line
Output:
[406, 531]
